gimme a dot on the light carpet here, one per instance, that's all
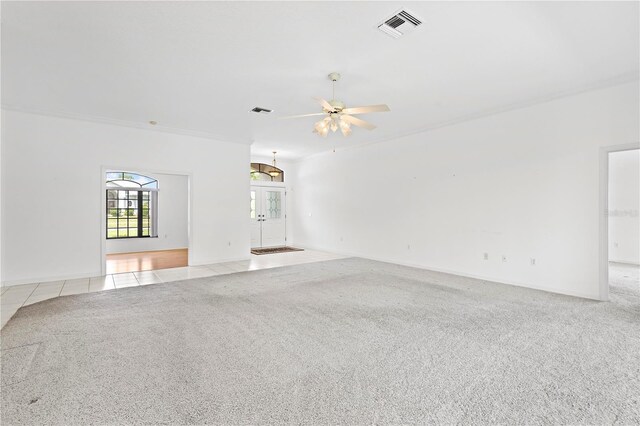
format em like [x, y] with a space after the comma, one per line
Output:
[347, 341]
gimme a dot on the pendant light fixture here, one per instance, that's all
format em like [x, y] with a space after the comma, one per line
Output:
[275, 172]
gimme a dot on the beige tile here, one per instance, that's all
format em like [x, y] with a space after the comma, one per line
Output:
[15, 295]
[34, 298]
[77, 281]
[125, 280]
[45, 291]
[75, 287]
[49, 287]
[101, 283]
[185, 274]
[125, 284]
[147, 277]
[219, 268]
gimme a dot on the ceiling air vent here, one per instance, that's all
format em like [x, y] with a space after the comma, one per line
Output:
[260, 110]
[399, 24]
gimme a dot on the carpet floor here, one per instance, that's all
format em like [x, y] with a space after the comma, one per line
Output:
[347, 341]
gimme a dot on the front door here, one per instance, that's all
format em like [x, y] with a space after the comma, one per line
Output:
[267, 217]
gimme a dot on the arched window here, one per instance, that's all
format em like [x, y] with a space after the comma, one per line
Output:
[132, 205]
[261, 171]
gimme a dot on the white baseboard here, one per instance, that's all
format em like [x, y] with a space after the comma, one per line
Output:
[564, 292]
[625, 262]
[49, 278]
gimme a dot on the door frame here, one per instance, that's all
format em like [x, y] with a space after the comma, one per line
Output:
[143, 170]
[268, 184]
[604, 213]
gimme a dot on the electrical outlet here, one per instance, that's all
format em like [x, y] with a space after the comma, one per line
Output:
[408, 246]
[533, 261]
[504, 258]
[229, 243]
[486, 256]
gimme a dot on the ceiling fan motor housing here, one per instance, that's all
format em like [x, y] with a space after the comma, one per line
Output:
[337, 105]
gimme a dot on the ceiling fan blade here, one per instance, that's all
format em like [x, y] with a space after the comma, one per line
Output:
[357, 122]
[326, 105]
[366, 109]
[302, 115]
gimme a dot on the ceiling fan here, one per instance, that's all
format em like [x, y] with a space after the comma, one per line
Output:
[338, 116]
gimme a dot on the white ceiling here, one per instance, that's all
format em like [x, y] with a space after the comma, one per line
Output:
[199, 67]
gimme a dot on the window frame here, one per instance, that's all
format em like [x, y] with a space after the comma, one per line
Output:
[147, 192]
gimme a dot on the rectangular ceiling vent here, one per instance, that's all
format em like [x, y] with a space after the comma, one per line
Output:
[399, 24]
[260, 110]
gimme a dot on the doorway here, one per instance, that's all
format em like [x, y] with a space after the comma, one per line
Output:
[624, 222]
[268, 218]
[145, 220]
[619, 221]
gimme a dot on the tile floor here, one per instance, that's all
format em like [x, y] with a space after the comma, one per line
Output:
[14, 297]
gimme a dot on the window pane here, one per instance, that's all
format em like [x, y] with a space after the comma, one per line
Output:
[273, 210]
[129, 205]
[252, 205]
[114, 175]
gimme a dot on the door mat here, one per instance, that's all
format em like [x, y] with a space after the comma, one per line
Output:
[273, 250]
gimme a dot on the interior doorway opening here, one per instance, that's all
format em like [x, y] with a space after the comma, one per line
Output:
[145, 220]
[623, 223]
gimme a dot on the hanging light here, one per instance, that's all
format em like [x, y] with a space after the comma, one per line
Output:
[334, 123]
[322, 126]
[275, 172]
[345, 128]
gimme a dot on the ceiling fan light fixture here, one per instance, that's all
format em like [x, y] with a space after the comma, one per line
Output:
[338, 116]
[345, 128]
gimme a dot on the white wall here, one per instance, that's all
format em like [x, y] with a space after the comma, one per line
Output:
[49, 231]
[523, 184]
[624, 204]
[173, 217]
